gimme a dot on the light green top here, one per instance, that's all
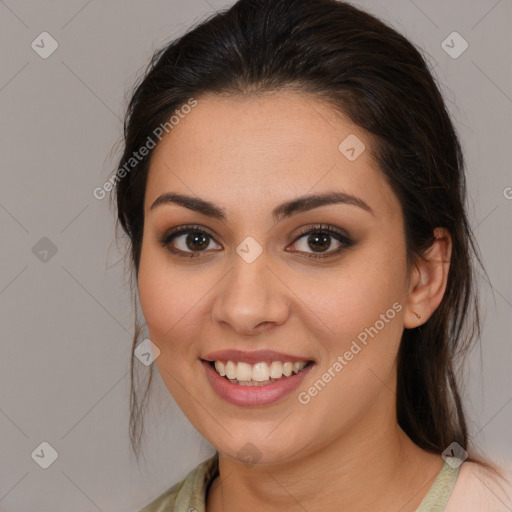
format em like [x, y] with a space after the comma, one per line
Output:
[189, 495]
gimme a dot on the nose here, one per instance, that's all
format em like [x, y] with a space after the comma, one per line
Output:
[251, 299]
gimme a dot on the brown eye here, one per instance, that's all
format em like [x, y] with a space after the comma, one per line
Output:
[187, 240]
[197, 241]
[319, 240]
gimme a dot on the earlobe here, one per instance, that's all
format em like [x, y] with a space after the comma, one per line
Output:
[429, 280]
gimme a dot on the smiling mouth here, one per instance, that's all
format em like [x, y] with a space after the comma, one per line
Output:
[258, 374]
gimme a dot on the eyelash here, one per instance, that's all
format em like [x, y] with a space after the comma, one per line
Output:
[168, 237]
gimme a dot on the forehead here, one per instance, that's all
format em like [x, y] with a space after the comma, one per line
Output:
[264, 148]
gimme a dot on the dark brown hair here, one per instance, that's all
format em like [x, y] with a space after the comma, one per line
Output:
[377, 78]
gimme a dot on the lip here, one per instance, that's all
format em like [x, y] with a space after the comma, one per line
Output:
[253, 395]
[257, 356]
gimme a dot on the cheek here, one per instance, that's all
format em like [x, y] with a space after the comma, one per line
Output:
[163, 308]
[357, 310]
[354, 296]
[170, 300]
[357, 316]
[153, 296]
[158, 299]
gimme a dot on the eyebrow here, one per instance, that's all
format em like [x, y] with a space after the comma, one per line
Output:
[284, 210]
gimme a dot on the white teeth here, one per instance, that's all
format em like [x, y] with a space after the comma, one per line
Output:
[276, 370]
[221, 369]
[287, 369]
[243, 371]
[230, 370]
[247, 374]
[260, 372]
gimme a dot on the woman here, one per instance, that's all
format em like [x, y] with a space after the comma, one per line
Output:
[294, 195]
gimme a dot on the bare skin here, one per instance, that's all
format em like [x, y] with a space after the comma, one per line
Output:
[247, 156]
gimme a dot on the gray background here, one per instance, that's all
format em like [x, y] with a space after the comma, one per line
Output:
[66, 322]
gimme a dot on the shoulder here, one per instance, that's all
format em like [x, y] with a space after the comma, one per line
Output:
[190, 492]
[478, 489]
[166, 501]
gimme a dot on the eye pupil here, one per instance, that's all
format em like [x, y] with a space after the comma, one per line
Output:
[316, 237]
[197, 236]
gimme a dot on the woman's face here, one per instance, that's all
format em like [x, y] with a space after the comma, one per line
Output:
[249, 281]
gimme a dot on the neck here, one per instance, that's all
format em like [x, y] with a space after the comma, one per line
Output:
[368, 468]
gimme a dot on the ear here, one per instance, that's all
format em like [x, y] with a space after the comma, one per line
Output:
[428, 280]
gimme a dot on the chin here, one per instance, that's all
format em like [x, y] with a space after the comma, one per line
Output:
[255, 446]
